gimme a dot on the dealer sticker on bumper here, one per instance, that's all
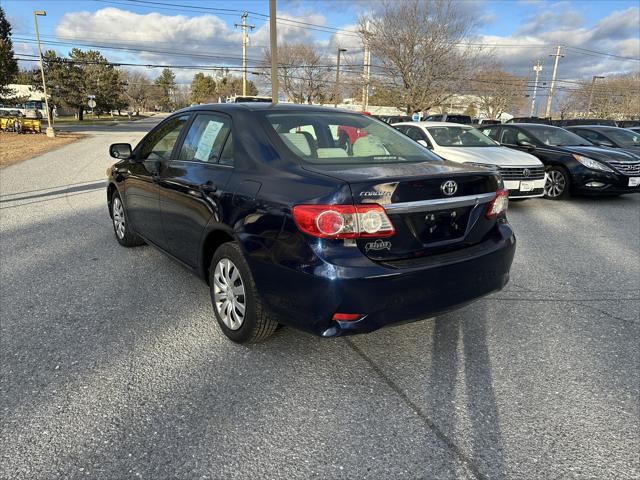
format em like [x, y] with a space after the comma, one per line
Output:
[526, 186]
[634, 181]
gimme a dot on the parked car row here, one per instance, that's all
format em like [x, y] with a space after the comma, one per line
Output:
[523, 174]
[573, 164]
[537, 159]
[571, 122]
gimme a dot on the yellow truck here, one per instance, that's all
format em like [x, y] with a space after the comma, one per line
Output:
[28, 125]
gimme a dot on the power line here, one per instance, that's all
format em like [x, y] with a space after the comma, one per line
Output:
[595, 53]
[459, 89]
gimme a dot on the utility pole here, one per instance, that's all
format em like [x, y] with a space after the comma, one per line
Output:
[593, 85]
[50, 131]
[366, 68]
[274, 51]
[553, 79]
[244, 27]
[337, 92]
[536, 68]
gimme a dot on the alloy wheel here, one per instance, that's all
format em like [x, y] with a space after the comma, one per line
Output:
[555, 184]
[118, 218]
[229, 294]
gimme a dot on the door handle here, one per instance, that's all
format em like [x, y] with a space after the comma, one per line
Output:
[208, 187]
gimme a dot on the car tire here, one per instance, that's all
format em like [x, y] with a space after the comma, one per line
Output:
[236, 303]
[557, 185]
[121, 226]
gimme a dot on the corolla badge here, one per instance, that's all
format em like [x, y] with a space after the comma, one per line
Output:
[377, 245]
[449, 187]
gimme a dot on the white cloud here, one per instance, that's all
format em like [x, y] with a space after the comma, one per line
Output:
[616, 33]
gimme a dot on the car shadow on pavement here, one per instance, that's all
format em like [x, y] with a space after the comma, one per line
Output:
[460, 374]
[461, 357]
[61, 190]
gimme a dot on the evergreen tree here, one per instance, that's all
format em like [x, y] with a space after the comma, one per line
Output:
[8, 63]
[71, 81]
[203, 88]
[167, 83]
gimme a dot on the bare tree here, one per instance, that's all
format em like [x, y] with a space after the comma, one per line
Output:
[420, 51]
[616, 97]
[499, 91]
[138, 89]
[303, 73]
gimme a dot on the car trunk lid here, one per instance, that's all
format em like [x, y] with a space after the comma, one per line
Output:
[434, 207]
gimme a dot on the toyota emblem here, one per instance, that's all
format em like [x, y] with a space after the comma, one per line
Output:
[449, 187]
[526, 173]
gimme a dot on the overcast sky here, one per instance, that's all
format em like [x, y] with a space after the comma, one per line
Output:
[522, 31]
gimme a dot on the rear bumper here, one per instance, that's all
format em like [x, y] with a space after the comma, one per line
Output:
[383, 294]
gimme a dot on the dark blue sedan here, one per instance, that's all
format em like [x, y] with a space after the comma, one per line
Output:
[288, 228]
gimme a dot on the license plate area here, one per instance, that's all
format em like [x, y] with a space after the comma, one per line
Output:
[440, 225]
[526, 186]
[634, 181]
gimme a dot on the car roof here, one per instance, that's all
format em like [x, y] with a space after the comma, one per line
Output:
[435, 124]
[264, 106]
[527, 125]
[593, 127]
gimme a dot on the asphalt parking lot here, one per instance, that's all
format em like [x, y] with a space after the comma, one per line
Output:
[113, 366]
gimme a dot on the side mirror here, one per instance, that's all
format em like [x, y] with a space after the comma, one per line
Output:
[603, 143]
[527, 145]
[121, 151]
[424, 144]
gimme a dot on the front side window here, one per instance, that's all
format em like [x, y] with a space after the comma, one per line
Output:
[160, 142]
[206, 138]
[625, 138]
[344, 138]
[557, 137]
[416, 134]
[459, 137]
[591, 135]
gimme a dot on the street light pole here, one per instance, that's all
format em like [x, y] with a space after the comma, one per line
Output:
[41, 13]
[274, 51]
[593, 85]
[337, 92]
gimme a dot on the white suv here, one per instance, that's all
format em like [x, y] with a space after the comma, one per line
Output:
[522, 173]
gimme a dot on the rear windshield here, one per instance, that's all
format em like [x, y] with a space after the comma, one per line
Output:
[344, 138]
[459, 137]
[458, 119]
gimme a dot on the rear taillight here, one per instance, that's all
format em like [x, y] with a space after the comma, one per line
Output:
[499, 204]
[347, 317]
[343, 221]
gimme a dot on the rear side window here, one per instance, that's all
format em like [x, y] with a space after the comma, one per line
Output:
[344, 138]
[160, 142]
[511, 136]
[206, 138]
